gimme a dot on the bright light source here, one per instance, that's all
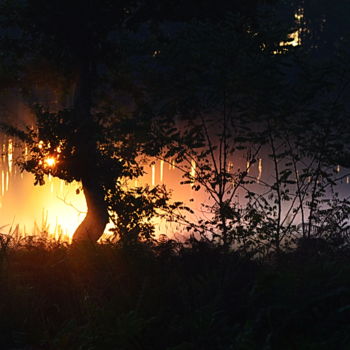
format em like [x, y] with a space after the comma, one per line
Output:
[50, 162]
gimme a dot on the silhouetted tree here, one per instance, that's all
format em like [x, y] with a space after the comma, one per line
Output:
[252, 91]
[83, 48]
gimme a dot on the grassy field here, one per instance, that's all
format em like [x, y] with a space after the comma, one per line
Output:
[171, 296]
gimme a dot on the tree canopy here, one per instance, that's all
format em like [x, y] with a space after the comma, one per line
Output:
[123, 73]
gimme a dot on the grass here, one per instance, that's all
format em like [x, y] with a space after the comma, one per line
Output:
[169, 296]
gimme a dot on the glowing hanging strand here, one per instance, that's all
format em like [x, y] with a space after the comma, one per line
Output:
[161, 170]
[2, 182]
[259, 169]
[193, 172]
[7, 180]
[10, 154]
[153, 167]
[248, 166]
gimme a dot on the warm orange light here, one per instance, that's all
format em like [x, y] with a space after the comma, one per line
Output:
[50, 162]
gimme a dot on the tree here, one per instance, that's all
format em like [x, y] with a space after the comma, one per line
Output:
[80, 44]
[82, 47]
[250, 91]
[95, 58]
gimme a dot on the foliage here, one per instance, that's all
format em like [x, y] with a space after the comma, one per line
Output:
[243, 102]
[134, 211]
[249, 277]
[171, 296]
[234, 93]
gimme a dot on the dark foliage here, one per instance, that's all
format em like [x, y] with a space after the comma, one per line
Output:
[171, 296]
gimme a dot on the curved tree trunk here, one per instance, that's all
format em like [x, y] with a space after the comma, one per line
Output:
[94, 224]
[96, 219]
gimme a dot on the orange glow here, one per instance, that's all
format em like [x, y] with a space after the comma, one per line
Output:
[50, 162]
[56, 208]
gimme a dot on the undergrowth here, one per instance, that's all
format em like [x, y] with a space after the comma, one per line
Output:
[171, 296]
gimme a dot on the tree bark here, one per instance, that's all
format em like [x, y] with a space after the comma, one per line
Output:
[96, 219]
[87, 158]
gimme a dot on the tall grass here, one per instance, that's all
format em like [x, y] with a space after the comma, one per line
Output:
[169, 296]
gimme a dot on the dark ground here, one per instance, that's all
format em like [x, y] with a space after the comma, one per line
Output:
[171, 297]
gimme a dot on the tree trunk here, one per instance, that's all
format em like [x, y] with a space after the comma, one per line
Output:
[96, 219]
